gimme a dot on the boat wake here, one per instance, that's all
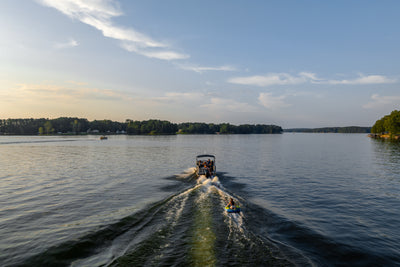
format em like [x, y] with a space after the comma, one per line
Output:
[191, 227]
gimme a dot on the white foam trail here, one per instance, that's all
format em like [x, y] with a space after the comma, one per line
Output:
[179, 203]
[215, 179]
[235, 221]
[207, 182]
[216, 182]
[190, 170]
[186, 173]
[201, 179]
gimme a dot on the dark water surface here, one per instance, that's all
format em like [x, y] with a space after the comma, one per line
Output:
[307, 200]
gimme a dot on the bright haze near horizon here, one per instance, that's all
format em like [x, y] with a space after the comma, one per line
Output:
[290, 63]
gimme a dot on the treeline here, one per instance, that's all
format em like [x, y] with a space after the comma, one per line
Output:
[66, 125]
[348, 129]
[226, 128]
[165, 127]
[389, 124]
[62, 125]
[151, 127]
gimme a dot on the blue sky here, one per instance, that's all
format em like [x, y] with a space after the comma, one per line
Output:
[291, 63]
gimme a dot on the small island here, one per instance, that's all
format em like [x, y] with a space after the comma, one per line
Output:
[81, 126]
[388, 127]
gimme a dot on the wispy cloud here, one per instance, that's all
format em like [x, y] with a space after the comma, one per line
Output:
[70, 43]
[99, 14]
[272, 102]
[378, 101]
[201, 69]
[369, 79]
[274, 79]
[202, 100]
[271, 79]
[72, 92]
[181, 97]
[152, 52]
[226, 104]
[69, 98]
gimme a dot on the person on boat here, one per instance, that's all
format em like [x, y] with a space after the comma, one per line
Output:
[231, 204]
[205, 168]
[208, 173]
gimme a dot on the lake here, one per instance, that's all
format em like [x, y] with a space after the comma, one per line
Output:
[306, 199]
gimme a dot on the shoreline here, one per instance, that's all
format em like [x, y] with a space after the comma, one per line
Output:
[385, 136]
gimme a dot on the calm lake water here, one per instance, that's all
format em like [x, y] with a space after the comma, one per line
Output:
[307, 199]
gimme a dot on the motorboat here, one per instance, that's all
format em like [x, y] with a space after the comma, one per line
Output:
[205, 165]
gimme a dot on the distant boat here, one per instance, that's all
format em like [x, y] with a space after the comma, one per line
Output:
[103, 137]
[205, 165]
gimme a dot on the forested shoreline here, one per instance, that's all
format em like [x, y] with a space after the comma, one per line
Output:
[347, 129]
[388, 126]
[75, 126]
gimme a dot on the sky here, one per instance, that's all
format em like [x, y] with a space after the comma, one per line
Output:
[292, 63]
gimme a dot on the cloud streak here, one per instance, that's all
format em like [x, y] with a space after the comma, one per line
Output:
[213, 103]
[201, 69]
[99, 14]
[230, 105]
[70, 43]
[272, 79]
[378, 101]
[74, 91]
[180, 98]
[370, 79]
[272, 102]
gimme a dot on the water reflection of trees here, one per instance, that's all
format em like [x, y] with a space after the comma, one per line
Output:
[387, 156]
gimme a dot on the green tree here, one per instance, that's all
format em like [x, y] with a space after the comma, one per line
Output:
[392, 123]
[48, 127]
[76, 127]
[388, 124]
[379, 126]
[133, 127]
[225, 128]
